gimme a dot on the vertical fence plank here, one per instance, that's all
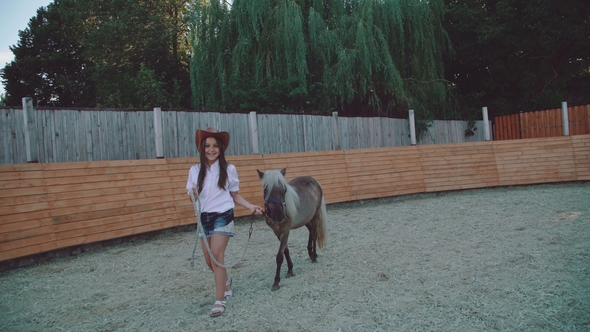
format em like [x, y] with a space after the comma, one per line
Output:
[158, 135]
[254, 132]
[499, 128]
[137, 122]
[549, 118]
[551, 124]
[504, 131]
[580, 120]
[412, 127]
[533, 130]
[566, 129]
[538, 124]
[30, 133]
[88, 125]
[517, 127]
[5, 136]
[545, 116]
[507, 128]
[55, 141]
[41, 122]
[527, 129]
[523, 125]
[486, 124]
[335, 132]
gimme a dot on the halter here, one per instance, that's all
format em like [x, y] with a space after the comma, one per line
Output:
[275, 201]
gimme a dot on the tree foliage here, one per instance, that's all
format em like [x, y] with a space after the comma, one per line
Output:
[376, 57]
[49, 63]
[105, 53]
[516, 55]
[357, 57]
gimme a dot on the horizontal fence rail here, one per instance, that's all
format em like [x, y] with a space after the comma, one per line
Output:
[49, 206]
[545, 123]
[61, 135]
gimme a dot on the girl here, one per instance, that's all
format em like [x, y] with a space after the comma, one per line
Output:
[216, 184]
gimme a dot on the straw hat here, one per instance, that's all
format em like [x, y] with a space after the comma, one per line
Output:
[211, 132]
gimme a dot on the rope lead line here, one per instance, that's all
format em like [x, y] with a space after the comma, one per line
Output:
[197, 206]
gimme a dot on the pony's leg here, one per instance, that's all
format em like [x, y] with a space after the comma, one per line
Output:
[289, 263]
[311, 242]
[279, 258]
[280, 255]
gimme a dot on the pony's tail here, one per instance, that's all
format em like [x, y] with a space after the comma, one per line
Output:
[321, 229]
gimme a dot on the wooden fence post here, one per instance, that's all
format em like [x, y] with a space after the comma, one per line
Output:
[565, 119]
[412, 127]
[336, 131]
[30, 132]
[158, 132]
[486, 125]
[254, 132]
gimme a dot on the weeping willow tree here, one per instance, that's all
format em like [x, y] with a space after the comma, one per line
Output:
[357, 57]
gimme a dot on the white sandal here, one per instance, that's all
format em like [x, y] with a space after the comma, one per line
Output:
[228, 293]
[218, 311]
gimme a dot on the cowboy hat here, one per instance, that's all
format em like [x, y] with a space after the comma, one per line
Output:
[211, 132]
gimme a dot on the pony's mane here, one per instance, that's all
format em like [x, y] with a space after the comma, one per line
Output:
[274, 178]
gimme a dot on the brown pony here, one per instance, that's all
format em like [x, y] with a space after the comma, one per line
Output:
[292, 205]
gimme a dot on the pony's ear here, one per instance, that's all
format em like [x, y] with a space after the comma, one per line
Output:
[260, 174]
[284, 171]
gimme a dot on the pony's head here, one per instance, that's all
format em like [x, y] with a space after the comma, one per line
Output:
[280, 199]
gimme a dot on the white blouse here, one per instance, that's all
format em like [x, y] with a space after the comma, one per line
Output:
[212, 198]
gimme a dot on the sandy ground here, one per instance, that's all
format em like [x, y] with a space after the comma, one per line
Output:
[478, 260]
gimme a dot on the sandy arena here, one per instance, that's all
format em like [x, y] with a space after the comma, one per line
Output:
[515, 259]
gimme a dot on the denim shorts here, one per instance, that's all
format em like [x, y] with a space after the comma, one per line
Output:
[218, 223]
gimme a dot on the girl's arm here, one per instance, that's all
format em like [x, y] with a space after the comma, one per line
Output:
[238, 199]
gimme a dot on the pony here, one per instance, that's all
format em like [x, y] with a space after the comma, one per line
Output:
[289, 206]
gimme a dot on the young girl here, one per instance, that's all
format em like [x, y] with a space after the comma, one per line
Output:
[216, 184]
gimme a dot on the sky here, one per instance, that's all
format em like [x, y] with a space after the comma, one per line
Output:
[15, 16]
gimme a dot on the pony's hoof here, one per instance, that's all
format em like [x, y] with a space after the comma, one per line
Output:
[290, 274]
[275, 287]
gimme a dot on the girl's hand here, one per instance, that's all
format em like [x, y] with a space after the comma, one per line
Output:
[256, 210]
[195, 193]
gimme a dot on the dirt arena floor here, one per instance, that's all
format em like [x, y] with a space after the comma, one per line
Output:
[509, 259]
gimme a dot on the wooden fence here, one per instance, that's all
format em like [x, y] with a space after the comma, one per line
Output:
[49, 206]
[545, 123]
[62, 135]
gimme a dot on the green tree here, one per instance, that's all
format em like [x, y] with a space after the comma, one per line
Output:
[49, 63]
[356, 57]
[105, 53]
[129, 39]
[519, 55]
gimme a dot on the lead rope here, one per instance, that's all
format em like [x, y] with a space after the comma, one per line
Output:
[197, 206]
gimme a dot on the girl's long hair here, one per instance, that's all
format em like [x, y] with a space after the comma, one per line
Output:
[222, 166]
